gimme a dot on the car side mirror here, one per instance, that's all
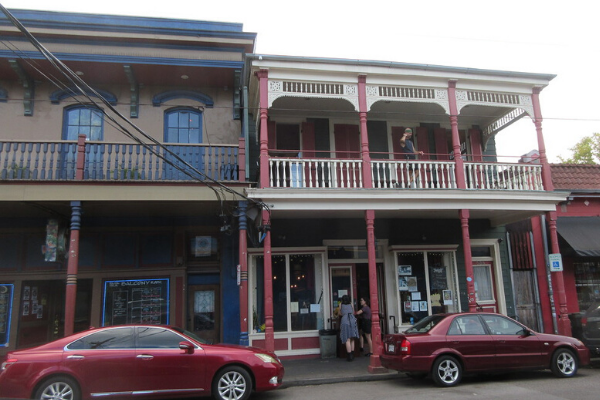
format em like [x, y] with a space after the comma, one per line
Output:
[525, 332]
[187, 347]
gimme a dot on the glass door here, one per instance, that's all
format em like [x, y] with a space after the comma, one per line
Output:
[341, 284]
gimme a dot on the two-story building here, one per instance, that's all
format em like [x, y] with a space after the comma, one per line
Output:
[347, 212]
[113, 157]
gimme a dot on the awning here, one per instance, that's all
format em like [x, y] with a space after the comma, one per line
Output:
[582, 234]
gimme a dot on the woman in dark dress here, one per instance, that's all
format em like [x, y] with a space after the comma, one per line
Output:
[348, 327]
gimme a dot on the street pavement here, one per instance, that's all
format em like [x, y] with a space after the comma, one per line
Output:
[317, 371]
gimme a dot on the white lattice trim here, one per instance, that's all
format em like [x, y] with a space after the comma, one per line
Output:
[466, 97]
[279, 89]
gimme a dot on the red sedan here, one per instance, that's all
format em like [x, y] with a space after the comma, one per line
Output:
[446, 346]
[137, 361]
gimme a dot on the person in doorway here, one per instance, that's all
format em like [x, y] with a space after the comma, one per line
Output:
[348, 327]
[407, 145]
[365, 325]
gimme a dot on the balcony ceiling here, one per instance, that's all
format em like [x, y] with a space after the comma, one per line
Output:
[95, 73]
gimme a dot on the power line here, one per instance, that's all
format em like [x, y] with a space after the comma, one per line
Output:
[80, 87]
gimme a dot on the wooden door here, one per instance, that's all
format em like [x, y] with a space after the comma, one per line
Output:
[524, 282]
[204, 312]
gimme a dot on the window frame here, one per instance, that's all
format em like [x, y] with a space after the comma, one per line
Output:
[179, 110]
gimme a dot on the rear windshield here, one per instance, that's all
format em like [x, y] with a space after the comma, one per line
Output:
[425, 324]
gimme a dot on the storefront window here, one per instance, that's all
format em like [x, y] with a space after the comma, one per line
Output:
[587, 283]
[426, 284]
[297, 287]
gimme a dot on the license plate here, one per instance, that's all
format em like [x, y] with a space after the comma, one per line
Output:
[391, 348]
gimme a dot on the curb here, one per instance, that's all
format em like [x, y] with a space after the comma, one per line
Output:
[341, 379]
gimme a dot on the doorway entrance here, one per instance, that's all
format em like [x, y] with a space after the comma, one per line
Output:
[204, 312]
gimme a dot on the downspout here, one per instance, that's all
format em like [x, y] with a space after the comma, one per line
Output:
[512, 272]
[536, 287]
[245, 129]
[549, 274]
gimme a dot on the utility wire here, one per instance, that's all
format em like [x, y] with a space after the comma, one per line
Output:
[82, 88]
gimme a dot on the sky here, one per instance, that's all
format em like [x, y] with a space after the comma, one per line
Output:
[536, 36]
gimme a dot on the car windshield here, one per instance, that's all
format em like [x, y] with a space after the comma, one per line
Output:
[594, 310]
[425, 324]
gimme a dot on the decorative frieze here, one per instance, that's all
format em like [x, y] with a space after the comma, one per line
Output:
[468, 97]
[279, 89]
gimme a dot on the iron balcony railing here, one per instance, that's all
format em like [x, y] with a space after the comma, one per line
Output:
[104, 161]
[402, 174]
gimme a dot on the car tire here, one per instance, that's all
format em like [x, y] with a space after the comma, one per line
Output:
[58, 388]
[564, 363]
[232, 383]
[446, 371]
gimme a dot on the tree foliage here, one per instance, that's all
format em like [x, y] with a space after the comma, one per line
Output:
[586, 151]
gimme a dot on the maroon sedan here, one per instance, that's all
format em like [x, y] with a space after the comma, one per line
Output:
[137, 361]
[445, 346]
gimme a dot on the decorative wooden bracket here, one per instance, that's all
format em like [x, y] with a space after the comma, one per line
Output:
[134, 105]
[28, 87]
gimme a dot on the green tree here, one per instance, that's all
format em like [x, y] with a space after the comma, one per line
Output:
[586, 151]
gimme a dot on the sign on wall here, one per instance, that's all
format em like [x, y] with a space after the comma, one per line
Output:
[555, 261]
[6, 296]
[136, 301]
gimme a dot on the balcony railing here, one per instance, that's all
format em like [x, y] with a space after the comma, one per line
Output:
[402, 174]
[117, 161]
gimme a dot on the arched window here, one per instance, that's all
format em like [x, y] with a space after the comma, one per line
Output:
[183, 125]
[83, 119]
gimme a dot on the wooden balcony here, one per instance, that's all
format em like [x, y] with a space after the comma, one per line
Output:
[57, 161]
[402, 174]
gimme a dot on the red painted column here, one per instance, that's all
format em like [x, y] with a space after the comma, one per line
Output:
[268, 271]
[364, 134]
[374, 362]
[464, 223]
[243, 273]
[537, 120]
[263, 84]
[544, 287]
[460, 172]
[564, 324]
[72, 267]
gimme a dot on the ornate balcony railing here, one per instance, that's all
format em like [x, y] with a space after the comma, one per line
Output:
[117, 161]
[402, 174]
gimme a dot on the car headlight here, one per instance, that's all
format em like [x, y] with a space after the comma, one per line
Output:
[266, 358]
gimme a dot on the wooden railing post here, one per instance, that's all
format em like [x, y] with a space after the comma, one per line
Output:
[242, 160]
[80, 158]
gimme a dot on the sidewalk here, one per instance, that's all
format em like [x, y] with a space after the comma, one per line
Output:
[317, 371]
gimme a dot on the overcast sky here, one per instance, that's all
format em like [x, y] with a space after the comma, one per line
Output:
[525, 36]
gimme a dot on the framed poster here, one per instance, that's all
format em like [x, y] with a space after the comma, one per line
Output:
[6, 299]
[404, 269]
[139, 301]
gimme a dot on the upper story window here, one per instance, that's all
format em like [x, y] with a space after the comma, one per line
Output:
[183, 125]
[83, 119]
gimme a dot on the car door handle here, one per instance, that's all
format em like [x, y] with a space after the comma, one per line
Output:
[75, 357]
[145, 356]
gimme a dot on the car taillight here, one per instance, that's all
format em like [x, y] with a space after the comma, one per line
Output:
[8, 363]
[405, 347]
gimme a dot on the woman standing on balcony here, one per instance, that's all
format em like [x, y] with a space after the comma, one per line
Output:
[407, 145]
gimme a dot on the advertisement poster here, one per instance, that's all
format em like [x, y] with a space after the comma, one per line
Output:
[141, 301]
[6, 298]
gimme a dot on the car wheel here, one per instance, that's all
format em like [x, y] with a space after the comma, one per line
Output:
[58, 388]
[446, 371]
[564, 363]
[232, 383]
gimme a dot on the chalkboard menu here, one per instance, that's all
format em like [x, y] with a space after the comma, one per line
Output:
[6, 295]
[437, 277]
[140, 301]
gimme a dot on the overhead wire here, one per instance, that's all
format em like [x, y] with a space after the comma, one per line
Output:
[80, 87]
